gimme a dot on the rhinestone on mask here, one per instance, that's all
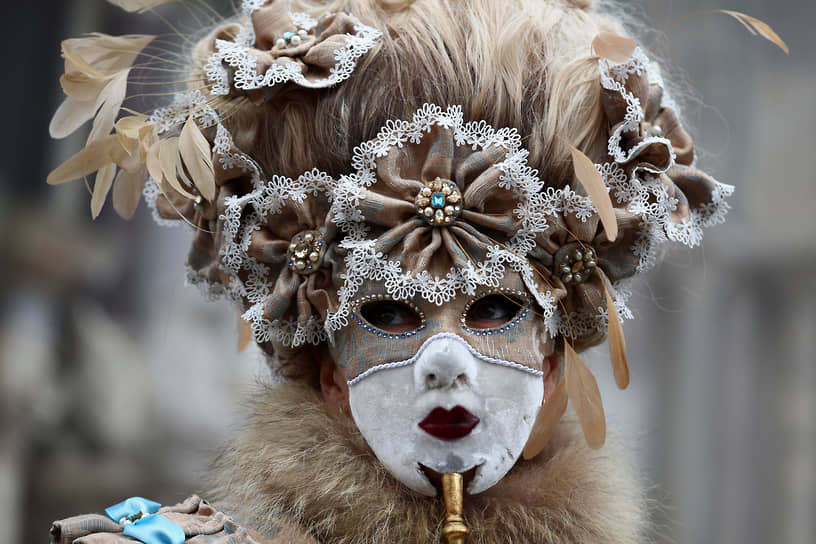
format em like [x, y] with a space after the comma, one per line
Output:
[439, 202]
[366, 326]
[575, 263]
[524, 309]
[305, 252]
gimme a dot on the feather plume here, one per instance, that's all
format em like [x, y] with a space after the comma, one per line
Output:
[756, 26]
[168, 156]
[617, 342]
[135, 134]
[153, 164]
[613, 47]
[92, 157]
[71, 115]
[546, 421]
[102, 185]
[109, 101]
[139, 6]
[585, 398]
[100, 55]
[197, 156]
[95, 82]
[82, 87]
[593, 183]
[127, 191]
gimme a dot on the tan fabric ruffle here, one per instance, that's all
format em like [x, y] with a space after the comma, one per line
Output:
[200, 521]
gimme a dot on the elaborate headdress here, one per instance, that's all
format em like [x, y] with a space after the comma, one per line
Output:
[436, 204]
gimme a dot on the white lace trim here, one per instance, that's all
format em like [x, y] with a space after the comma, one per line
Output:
[151, 192]
[238, 55]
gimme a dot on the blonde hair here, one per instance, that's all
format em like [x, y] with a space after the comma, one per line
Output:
[526, 64]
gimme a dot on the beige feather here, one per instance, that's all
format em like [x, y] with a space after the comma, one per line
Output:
[585, 398]
[101, 55]
[546, 421]
[102, 185]
[81, 86]
[244, 333]
[91, 158]
[613, 47]
[168, 153]
[131, 132]
[127, 191]
[593, 183]
[139, 5]
[109, 102]
[756, 26]
[197, 155]
[153, 164]
[70, 115]
[181, 172]
[617, 342]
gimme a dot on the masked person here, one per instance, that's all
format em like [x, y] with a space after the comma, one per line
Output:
[424, 210]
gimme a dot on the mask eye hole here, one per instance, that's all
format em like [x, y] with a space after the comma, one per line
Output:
[391, 316]
[492, 311]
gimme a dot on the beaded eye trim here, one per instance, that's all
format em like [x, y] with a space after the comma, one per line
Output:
[522, 312]
[355, 316]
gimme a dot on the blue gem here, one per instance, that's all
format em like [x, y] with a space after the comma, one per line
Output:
[288, 36]
[452, 186]
[438, 200]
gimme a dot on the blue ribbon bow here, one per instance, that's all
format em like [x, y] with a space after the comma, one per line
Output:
[145, 524]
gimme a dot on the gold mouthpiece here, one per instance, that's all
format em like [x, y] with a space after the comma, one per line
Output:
[454, 531]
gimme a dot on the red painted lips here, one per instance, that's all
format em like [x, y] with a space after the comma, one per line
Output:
[450, 424]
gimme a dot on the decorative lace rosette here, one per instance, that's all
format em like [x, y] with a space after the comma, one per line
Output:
[279, 246]
[275, 46]
[656, 195]
[652, 158]
[437, 207]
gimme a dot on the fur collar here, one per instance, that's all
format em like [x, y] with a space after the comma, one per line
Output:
[299, 462]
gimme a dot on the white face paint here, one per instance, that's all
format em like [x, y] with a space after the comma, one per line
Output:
[390, 401]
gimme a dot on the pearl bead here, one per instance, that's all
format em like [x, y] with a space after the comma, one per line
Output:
[280, 43]
[295, 40]
[302, 33]
[308, 236]
[449, 210]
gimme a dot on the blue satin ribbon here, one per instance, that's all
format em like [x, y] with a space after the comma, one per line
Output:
[131, 507]
[155, 529]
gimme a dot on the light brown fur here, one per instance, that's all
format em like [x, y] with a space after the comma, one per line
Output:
[299, 462]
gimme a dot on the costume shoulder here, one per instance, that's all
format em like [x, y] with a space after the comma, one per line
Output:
[192, 521]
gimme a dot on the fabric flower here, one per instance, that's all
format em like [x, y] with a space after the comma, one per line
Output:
[648, 142]
[437, 207]
[277, 46]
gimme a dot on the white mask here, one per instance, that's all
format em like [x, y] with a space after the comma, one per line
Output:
[389, 401]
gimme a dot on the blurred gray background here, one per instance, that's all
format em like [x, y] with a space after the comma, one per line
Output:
[117, 381]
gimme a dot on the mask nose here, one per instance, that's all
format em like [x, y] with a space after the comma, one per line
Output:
[445, 364]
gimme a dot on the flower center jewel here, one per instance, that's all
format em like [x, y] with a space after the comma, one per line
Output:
[305, 252]
[439, 202]
[574, 263]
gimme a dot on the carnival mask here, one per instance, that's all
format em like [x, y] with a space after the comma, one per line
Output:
[450, 388]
